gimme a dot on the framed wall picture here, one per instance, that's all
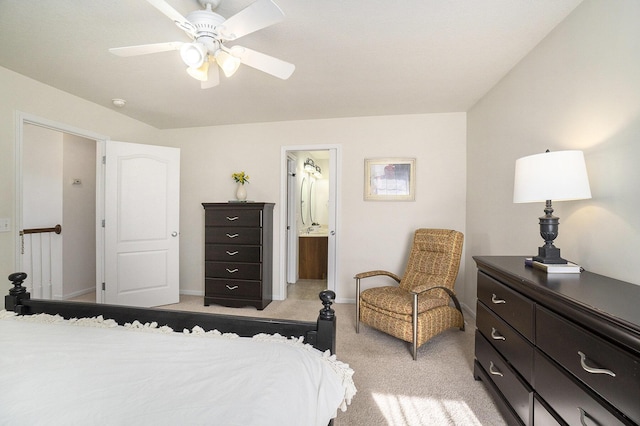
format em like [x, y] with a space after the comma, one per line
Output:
[390, 179]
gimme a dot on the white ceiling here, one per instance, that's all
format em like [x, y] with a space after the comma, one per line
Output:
[353, 57]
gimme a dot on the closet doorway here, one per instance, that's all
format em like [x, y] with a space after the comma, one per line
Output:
[309, 220]
[56, 188]
[81, 185]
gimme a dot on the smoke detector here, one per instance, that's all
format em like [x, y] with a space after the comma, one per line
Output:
[118, 103]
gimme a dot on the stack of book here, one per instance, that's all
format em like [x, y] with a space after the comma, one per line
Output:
[556, 268]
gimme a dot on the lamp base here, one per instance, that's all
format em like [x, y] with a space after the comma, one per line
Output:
[549, 255]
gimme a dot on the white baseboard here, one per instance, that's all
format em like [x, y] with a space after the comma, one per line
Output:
[77, 293]
[192, 292]
[468, 311]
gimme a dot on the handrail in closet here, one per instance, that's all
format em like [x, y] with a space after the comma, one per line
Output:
[57, 229]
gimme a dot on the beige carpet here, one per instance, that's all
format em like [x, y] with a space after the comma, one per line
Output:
[437, 389]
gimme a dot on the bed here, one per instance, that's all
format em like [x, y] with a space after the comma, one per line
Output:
[83, 363]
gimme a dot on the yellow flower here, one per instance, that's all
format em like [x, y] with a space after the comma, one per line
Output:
[240, 177]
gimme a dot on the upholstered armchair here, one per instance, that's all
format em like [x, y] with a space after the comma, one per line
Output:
[419, 306]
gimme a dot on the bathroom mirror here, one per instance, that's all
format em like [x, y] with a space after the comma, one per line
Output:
[304, 201]
[312, 202]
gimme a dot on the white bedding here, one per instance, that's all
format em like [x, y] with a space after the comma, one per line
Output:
[60, 373]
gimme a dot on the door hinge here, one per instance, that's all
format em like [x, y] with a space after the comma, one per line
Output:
[103, 223]
[104, 287]
[104, 159]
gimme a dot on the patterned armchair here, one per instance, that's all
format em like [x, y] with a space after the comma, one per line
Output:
[418, 308]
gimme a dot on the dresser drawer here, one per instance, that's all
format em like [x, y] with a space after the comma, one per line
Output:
[562, 340]
[515, 391]
[232, 288]
[542, 416]
[233, 217]
[513, 308]
[233, 270]
[567, 398]
[506, 340]
[233, 253]
[233, 235]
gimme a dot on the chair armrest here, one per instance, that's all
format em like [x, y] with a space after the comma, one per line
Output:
[362, 275]
[420, 290]
[423, 289]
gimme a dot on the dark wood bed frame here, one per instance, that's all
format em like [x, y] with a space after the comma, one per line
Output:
[321, 334]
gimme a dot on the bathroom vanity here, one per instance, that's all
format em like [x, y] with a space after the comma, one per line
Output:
[312, 256]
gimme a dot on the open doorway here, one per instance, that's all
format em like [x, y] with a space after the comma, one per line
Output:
[98, 196]
[56, 188]
[310, 221]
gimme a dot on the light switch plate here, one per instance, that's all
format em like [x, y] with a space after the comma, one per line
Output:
[4, 225]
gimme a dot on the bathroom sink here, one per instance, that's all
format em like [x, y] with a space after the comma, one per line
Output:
[314, 232]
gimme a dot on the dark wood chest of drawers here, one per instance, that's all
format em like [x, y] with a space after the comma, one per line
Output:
[238, 254]
[557, 349]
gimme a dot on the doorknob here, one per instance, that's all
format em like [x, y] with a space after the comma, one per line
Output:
[174, 234]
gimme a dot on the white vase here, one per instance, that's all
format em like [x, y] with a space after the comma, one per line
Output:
[241, 192]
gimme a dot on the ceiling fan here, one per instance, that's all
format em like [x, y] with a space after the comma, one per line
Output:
[209, 32]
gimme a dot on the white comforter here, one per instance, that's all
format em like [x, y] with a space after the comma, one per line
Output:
[101, 374]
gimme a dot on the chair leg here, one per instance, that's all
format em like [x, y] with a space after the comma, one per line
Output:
[357, 305]
[457, 304]
[414, 317]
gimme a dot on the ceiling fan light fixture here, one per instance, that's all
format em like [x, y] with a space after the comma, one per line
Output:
[201, 73]
[193, 54]
[227, 62]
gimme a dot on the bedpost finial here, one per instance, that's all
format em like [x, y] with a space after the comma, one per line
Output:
[17, 278]
[327, 297]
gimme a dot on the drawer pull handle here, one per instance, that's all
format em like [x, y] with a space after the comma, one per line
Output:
[592, 370]
[584, 415]
[494, 370]
[231, 287]
[231, 219]
[497, 301]
[232, 271]
[232, 253]
[495, 335]
[233, 235]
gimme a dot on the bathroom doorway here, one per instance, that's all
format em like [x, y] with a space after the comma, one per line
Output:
[310, 221]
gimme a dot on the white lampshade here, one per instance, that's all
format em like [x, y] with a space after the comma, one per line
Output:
[556, 176]
[227, 62]
[201, 73]
[193, 54]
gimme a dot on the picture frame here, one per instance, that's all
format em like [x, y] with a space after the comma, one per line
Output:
[390, 179]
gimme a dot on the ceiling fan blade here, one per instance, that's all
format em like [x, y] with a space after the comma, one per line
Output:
[254, 17]
[265, 63]
[213, 78]
[174, 15]
[145, 49]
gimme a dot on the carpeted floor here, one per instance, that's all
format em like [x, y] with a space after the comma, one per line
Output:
[394, 390]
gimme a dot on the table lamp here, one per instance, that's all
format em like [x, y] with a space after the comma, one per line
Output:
[558, 176]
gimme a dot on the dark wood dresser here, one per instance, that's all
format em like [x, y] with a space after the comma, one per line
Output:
[238, 254]
[557, 349]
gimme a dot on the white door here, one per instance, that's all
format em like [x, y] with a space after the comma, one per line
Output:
[141, 229]
[332, 252]
[292, 231]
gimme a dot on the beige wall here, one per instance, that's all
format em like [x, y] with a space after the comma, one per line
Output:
[79, 216]
[20, 94]
[578, 89]
[372, 234]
